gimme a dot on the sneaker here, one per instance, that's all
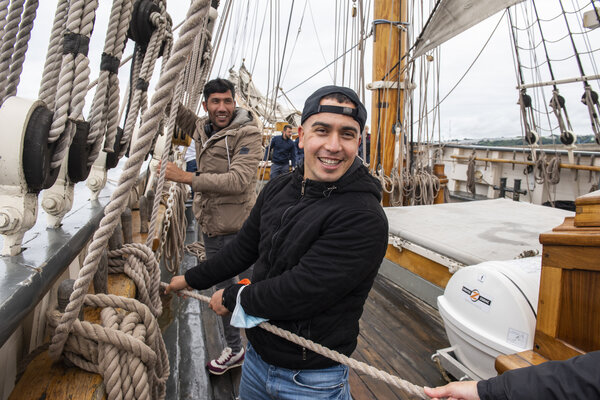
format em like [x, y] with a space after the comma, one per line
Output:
[226, 361]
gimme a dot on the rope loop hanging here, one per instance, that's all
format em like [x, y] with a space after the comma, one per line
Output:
[138, 262]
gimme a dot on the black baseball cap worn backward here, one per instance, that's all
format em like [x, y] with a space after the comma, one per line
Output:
[312, 106]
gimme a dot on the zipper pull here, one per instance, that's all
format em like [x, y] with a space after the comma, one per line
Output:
[303, 185]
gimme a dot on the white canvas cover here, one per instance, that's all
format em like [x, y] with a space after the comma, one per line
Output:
[452, 17]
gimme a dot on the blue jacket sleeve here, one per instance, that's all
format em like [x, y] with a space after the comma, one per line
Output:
[577, 378]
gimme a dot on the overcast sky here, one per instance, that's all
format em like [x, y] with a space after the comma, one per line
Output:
[482, 105]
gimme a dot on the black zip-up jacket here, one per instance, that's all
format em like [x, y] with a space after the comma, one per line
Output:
[577, 378]
[316, 249]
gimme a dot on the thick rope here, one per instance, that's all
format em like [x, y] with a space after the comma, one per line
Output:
[73, 79]
[9, 38]
[53, 56]
[173, 236]
[163, 165]
[401, 384]
[106, 97]
[119, 199]
[20, 48]
[139, 95]
[138, 262]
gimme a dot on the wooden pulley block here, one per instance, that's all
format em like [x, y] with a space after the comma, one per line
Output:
[180, 138]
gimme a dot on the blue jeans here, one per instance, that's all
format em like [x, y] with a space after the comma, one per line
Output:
[262, 381]
[278, 169]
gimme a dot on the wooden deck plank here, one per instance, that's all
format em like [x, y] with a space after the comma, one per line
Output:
[398, 334]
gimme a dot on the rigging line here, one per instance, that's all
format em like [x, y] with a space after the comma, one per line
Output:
[468, 69]
[317, 36]
[543, 41]
[220, 30]
[325, 67]
[295, 41]
[579, 64]
[516, 48]
[588, 44]
[420, 37]
[287, 33]
[259, 40]
[595, 10]
[345, 40]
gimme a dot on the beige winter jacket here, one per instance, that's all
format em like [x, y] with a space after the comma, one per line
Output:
[227, 164]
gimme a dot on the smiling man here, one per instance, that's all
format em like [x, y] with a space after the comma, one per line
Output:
[228, 150]
[316, 237]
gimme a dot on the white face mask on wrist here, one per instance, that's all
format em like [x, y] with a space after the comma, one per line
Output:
[240, 319]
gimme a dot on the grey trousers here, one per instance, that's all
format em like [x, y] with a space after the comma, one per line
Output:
[213, 245]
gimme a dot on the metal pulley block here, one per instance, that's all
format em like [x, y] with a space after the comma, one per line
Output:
[24, 167]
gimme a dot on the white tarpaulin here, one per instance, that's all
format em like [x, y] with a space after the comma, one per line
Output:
[452, 17]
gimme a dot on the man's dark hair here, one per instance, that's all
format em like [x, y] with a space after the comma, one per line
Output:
[340, 97]
[218, 85]
[286, 127]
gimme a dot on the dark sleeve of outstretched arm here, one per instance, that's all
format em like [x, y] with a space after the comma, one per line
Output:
[236, 257]
[575, 379]
[348, 251]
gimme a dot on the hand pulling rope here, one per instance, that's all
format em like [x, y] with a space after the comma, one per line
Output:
[401, 384]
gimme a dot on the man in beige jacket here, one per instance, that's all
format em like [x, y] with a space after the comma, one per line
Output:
[228, 150]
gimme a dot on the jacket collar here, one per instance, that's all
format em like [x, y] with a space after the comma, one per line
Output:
[240, 118]
[356, 179]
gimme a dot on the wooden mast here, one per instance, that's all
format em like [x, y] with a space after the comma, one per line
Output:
[388, 44]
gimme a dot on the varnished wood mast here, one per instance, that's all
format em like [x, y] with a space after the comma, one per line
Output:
[568, 319]
[388, 43]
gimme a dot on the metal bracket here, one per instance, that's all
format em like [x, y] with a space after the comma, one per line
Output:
[448, 262]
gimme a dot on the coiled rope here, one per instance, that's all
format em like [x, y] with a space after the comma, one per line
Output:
[119, 200]
[407, 387]
[126, 349]
[547, 172]
[471, 174]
